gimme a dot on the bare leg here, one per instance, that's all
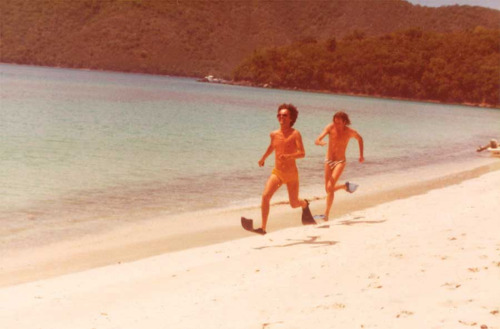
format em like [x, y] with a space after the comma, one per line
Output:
[329, 196]
[331, 178]
[293, 195]
[272, 185]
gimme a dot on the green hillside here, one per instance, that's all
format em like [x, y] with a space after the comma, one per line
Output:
[455, 67]
[196, 38]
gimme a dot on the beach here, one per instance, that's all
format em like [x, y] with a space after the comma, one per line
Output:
[427, 255]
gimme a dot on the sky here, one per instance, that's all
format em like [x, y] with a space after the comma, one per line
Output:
[436, 3]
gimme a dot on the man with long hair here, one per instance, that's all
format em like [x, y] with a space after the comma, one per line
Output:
[339, 135]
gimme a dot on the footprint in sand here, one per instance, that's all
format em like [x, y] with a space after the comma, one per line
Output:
[398, 256]
[404, 314]
[468, 323]
[375, 285]
[268, 325]
[338, 306]
[451, 285]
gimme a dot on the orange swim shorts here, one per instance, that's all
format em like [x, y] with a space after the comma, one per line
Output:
[286, 178]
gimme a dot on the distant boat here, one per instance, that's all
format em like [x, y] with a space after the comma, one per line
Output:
[212, 79]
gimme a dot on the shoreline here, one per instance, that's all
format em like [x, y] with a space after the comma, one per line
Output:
[348, 94]
[131, 242]
[252, 85]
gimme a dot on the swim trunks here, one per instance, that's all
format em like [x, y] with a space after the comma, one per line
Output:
[332, 164]
[286, 178]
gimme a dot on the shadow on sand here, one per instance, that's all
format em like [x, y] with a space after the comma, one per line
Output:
[353, 221]
[311, 241]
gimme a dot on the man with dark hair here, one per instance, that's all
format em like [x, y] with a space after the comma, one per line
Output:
[287, 144]
[339, 135]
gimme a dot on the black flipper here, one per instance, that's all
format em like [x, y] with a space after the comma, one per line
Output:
[247, 224]
[307, 217]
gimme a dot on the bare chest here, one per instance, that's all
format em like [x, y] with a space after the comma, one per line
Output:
[282, 141]
[339, 139]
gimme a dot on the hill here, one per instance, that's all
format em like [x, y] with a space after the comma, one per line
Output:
[453, 67]
[196, 38]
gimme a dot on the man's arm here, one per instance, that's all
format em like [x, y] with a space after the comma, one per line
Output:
[270, 150]
[325, 132]
[360, 144]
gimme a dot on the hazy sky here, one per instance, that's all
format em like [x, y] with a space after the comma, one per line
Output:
[436, 3]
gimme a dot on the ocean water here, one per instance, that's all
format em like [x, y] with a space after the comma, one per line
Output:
[82, 145]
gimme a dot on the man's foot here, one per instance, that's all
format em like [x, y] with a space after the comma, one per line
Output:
[247, 224]
[350, 187]
[260, 231]
[307, 217]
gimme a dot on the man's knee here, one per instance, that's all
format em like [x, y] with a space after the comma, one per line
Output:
[266, 197]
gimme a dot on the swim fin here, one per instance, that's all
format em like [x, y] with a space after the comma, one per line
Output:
[307, 217]
[247, 224]
[351, 187]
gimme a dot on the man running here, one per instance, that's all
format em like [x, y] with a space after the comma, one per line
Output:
[287, 145]
[339, 135]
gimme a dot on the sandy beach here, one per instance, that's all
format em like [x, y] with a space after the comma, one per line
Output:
[427, 259]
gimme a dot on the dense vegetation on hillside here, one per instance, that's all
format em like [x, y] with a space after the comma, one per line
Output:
[458, 67]
[196, 38]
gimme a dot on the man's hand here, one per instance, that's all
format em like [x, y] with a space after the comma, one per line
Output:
[261, 163]
[320, 143]
[285, 156]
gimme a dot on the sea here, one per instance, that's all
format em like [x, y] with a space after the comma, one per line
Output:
[79, 145]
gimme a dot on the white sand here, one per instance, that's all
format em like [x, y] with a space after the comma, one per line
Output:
[428, 261]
